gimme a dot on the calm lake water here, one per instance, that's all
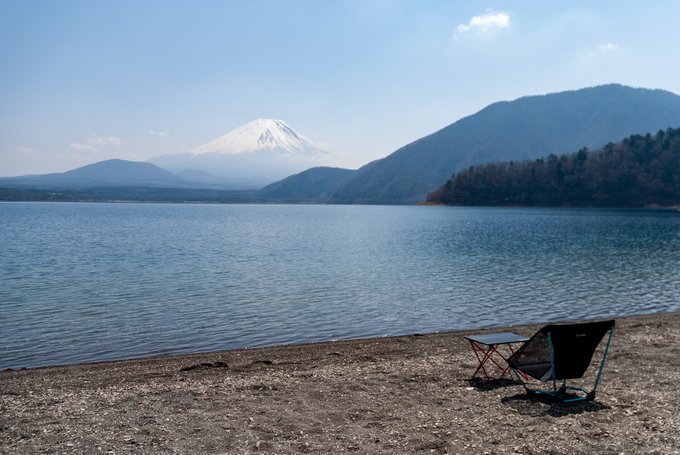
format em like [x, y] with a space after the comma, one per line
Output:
[91, 282]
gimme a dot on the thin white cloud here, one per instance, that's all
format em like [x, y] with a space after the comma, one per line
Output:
[95, 143]
[599, 51]
[86, 147]
[161, 134]
[28, 151]
[485, 23]
[608, 47]
[104, 141]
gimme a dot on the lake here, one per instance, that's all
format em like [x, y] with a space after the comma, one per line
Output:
[91, 282]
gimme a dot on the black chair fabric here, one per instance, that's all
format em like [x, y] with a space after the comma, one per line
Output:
[573, 347]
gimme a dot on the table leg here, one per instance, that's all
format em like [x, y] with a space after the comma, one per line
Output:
[487, 354]
[480, 363]
[483, 356]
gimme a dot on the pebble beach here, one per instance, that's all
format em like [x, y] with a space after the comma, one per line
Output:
[396, 395]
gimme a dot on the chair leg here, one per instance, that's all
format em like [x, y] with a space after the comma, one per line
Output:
[604, 359]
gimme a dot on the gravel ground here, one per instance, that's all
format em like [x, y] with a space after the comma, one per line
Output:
[410, 394]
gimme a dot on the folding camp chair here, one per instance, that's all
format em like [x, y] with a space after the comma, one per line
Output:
[561, 352]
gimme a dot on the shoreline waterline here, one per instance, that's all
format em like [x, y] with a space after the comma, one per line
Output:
[321, 343]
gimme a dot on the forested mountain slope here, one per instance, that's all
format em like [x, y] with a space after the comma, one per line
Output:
[640, 171]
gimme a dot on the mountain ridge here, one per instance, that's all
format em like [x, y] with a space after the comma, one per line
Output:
[507, 130]
[526, 128]
[113, 172]
[313, 185]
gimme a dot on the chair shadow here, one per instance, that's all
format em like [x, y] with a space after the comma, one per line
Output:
[538, 405]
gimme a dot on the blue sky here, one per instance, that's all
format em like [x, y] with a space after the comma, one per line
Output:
[83, 81]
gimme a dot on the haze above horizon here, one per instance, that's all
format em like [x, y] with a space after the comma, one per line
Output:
[87, 81]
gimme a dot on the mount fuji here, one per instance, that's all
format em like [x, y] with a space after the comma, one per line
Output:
[251, 156]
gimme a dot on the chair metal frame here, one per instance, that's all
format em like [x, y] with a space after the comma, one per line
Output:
[560, 393]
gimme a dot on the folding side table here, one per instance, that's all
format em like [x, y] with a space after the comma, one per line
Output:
[486, 348]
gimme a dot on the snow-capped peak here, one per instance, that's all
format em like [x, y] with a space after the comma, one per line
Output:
[261, 134]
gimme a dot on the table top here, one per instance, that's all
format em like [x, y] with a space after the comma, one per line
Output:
[497, 338]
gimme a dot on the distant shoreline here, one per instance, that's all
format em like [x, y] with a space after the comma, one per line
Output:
[129, 194]
[245, 197]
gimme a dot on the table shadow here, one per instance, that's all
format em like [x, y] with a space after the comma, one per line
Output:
[485, 385]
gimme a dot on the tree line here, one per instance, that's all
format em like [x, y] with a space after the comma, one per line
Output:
[640, 171]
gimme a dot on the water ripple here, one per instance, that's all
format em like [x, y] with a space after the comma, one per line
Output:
[90, 282]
